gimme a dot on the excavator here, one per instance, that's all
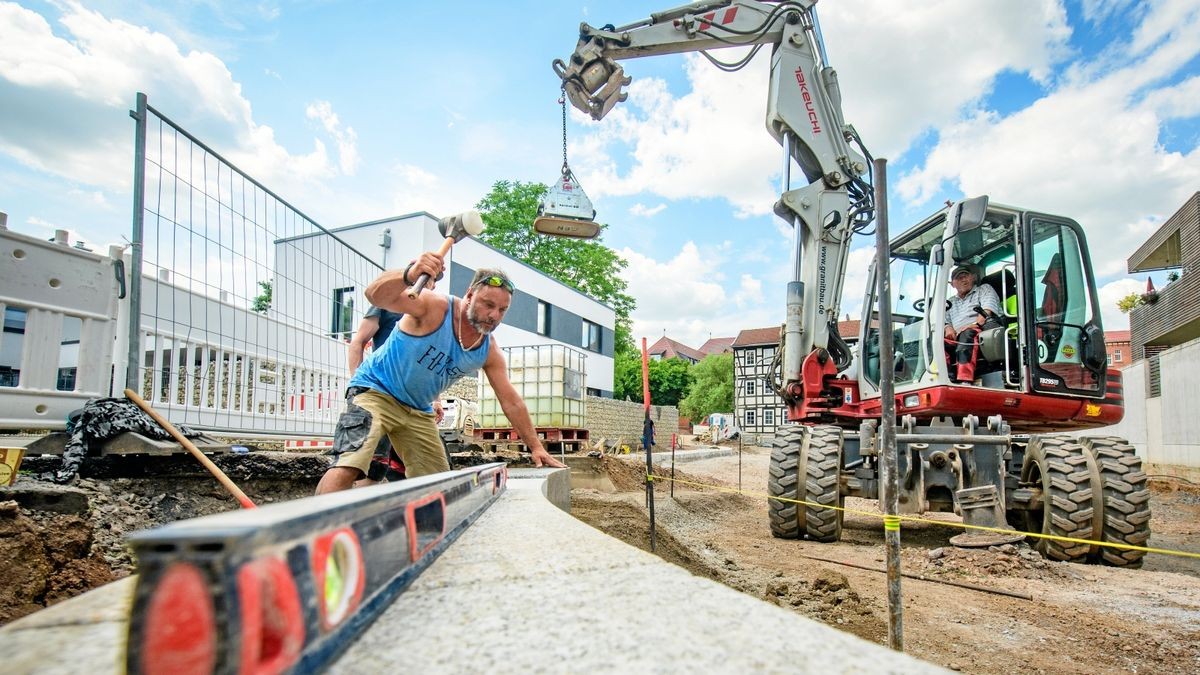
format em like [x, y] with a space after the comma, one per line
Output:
[1003, 450]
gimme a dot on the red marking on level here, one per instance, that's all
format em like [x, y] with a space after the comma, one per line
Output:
[180, 633]
[272, 628]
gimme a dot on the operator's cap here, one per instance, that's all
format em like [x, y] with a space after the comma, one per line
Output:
[969, 267]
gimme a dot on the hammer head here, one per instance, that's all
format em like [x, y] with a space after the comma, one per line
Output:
[461, 225]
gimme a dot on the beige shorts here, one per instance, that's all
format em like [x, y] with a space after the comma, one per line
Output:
[413, 434]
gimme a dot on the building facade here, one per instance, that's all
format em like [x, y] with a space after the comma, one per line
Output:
[759, 411]
[543, 311]
[1119, 346]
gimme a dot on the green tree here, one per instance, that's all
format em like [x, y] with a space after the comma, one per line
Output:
[627, 376]
[712, 388]
[262, 301]
[1127, 303]
[670, 379]
[589, 266]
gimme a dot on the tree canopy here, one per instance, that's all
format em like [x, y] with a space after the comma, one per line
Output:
[712, 388]
[587, 265]
[670, 379]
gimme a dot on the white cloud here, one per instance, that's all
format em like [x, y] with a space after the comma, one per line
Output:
[644, 211]
[1090, 150]
[908, 67]
[904, 68]
[416, 189]
[1110, 293]
[708, 143]
[749, 292]
[270, 73]
[685, 297]
[65, 100]
[347, 139]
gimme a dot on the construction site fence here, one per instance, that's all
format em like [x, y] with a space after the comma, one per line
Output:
[230, 310]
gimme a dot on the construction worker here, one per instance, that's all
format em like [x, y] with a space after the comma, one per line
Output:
[439, 340]
[374, 329]
[972, 306]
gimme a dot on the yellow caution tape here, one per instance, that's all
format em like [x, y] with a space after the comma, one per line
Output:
[916, 519]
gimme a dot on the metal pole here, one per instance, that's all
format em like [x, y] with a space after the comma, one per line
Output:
[672, 469]
[739, 463]
[887, 423]
[646, 440]
[133, 365]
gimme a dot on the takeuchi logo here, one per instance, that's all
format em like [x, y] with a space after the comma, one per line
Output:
[808, 101]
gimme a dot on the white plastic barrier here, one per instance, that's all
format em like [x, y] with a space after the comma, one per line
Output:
[59, 307]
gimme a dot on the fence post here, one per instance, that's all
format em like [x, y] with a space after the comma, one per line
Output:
[132, 366]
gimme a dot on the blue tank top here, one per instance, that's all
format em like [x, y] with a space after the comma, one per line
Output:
[414, 369]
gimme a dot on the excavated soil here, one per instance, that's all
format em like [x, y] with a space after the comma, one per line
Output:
[59, 541]
[1081, 619]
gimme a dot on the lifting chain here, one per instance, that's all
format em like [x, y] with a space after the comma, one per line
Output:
[562, 101]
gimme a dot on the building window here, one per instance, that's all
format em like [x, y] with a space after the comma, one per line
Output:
[1110, 359]
[1117, 356]
[769, 417]
[342, 326]
[543, 318]
[591, 336]
[749, 418]
[750, 358]
[750, 387]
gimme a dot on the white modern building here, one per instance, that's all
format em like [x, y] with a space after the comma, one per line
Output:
[544, 310]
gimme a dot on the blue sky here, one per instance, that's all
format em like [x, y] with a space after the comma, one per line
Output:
[355, 111]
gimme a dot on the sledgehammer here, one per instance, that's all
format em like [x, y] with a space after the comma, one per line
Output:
[453, 228]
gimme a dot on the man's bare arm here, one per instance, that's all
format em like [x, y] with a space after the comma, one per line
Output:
[358, 344]
[514, 407]
[388, 290]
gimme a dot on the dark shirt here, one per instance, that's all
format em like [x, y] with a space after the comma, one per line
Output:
[387, 321]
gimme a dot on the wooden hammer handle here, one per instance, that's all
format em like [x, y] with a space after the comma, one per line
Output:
[416, 288]
[191, 447]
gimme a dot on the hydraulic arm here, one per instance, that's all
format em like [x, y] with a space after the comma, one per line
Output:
[804, 114]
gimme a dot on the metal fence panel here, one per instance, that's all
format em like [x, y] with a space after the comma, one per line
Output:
[246, 304]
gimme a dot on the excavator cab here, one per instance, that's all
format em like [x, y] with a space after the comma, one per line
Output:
[1047, 339]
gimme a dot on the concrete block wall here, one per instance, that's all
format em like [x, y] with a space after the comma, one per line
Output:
[606, 418]
[611, 419]
[467, 387]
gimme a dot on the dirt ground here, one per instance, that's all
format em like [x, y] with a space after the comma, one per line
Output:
[1082, 618]
[59, 541]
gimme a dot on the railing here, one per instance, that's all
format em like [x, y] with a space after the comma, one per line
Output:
[230, 310]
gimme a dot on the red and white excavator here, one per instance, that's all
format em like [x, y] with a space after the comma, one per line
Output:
[1042, 368]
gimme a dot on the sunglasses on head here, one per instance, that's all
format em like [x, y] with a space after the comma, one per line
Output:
[497, 282]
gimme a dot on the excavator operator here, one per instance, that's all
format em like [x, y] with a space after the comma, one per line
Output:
[970, 311]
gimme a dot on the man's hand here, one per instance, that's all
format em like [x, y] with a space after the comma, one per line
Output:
[951, 333]
[439, 413]
[428, 263]
[543, 458]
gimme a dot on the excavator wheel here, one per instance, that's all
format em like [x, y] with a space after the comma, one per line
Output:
[782, 480]
[1060, 466]
[1122, 503]
[805, 465]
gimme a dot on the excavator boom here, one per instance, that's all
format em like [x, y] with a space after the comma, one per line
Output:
[804, 115]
